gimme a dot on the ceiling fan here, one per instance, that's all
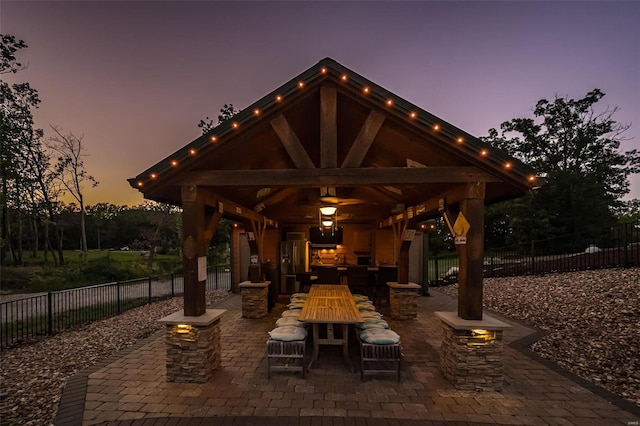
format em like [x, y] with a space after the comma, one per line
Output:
[329, 195]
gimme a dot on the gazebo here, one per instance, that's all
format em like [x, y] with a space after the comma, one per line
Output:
[331, 137]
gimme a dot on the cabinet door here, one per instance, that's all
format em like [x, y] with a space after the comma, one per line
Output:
[362, 241]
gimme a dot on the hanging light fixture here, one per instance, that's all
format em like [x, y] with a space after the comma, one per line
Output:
[328, 219]
[328, 210]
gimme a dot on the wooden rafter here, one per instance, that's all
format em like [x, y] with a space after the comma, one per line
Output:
[364, 140]
[430, 206]
[291, 143]
[228, 208]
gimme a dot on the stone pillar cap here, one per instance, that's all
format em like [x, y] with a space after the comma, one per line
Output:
[486, 323]
[412, 286]
[249, 284]
[208, 318]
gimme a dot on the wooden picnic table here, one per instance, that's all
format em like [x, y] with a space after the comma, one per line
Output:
[330, 305]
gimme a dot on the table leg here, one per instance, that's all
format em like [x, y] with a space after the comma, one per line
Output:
[314, 356]
[345, 346]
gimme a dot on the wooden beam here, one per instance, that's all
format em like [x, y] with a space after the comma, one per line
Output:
[277, 196]
[194, 246]
[364, 140]
[336, 176]
[291, 143]
[430, 206]
[230, 209]
[328, 127]
[471, 255]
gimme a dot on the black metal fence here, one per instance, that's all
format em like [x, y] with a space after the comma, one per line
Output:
[619, 248]
[42, 314]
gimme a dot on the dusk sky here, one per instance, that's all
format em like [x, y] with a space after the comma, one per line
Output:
[136, 77]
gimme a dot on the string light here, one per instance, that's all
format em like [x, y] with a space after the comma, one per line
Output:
[365, 90]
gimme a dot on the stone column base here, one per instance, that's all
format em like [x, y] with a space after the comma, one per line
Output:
[193, 346]
[403, 302]
[255, 299]
[471, 352]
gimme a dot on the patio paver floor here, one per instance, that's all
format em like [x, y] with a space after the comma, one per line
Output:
[130, 388]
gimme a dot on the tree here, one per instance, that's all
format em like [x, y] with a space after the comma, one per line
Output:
[577, 150]
[8, 48]
[101, 214]
[226, 112]
[44, 194]
[16, 133]
[72, 173]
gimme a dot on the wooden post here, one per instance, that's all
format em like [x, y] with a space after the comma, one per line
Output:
[471, 255]
[404, 232]
[255, 236]
[198, 226]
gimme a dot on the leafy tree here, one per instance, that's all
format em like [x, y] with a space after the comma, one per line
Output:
[577, 150]
[226, 112]
[101, 214]
[72, 173]
[16, 133]
[8, 48]
[43, 196]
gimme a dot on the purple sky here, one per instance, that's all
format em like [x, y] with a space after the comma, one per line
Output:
[136, 77]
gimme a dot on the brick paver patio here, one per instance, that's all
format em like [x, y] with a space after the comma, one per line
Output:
[130, 389]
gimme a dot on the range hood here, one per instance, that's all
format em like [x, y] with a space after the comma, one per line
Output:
[318, 239]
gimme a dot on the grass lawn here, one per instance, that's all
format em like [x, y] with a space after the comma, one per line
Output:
[99, 267]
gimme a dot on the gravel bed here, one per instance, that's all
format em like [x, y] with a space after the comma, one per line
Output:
[592, 319]
[32, 377]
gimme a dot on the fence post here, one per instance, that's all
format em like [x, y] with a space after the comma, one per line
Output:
[437, 272]
[50, 313]
[118, 294]
[149, 300]
[533, 257]
[173, 292]
[624, 242]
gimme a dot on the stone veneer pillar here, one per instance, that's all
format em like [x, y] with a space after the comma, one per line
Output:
[403, 302]
[193, 346]
[255, 299]
[471, 352]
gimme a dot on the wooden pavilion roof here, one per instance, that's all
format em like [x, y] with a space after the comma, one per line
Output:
[331, 136]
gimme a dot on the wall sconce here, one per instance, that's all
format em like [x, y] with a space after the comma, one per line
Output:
[183, 328]
[481, 337]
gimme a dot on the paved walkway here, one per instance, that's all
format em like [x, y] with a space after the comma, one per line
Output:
[130, 388]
